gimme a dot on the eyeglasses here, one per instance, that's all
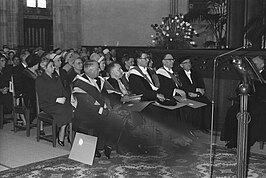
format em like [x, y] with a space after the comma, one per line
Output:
[146, 58]
[170, 59]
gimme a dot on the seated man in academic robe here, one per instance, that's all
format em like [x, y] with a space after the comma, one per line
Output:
[193, 85]
[93, 110]
[170, 86]
[119, 95]
[142, 82]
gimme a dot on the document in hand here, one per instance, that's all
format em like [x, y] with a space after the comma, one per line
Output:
[189, 102]
[133, 98]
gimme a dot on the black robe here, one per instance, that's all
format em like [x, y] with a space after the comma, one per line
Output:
[202, 120]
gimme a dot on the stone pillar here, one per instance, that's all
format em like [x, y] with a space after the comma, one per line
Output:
[11, 20]
[67, 23]
[179, 7]
[173, 7]
[236, 20]
[183, 6]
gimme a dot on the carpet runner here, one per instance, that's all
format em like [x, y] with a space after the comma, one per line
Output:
[161, 161]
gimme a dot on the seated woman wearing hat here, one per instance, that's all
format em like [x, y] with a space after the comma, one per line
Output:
[29, 75]
[53, 97]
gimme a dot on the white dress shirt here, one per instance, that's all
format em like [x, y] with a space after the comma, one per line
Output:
[188, 73]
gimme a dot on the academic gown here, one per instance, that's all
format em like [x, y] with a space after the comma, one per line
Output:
[203, 119]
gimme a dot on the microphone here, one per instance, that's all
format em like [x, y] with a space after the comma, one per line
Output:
[213, 94]
[234, 50]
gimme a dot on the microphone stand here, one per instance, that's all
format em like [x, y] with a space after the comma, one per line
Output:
[213, 102]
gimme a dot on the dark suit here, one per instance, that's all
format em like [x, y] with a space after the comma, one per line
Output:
[187, 86]
[203, 119]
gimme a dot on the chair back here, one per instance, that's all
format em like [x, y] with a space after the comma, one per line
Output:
[17, 95]
[37, 104]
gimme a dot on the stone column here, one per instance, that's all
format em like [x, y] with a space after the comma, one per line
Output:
[11, 21]
[179, 6]
[67, 23]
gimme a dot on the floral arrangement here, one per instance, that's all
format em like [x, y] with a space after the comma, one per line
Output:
[174, 33]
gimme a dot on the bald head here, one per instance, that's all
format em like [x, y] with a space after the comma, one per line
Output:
[95, 57]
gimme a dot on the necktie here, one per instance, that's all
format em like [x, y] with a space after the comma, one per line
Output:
[189, 76]
[175, 79]
[98, 82]
[147, 76]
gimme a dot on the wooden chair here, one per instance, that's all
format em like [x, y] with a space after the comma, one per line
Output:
[44, 118]
[19, 109]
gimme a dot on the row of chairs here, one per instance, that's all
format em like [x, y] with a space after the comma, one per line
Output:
[20, 110]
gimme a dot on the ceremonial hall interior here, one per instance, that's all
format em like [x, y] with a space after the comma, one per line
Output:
[132, 88]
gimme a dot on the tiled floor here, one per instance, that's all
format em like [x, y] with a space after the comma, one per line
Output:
[16, 149]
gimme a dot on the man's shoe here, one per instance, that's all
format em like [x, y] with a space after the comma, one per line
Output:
[107, 151]
[97, 154]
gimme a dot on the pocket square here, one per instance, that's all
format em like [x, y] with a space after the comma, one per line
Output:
[96, 103]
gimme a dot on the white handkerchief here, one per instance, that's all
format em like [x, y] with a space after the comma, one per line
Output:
[96, 103]
[61, 100]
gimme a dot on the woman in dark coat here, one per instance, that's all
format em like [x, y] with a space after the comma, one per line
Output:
[53, 97]
[5, 77]
[29, 75]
